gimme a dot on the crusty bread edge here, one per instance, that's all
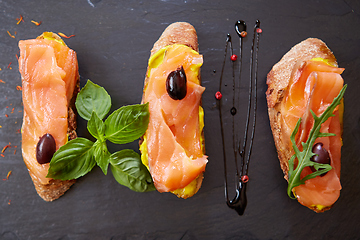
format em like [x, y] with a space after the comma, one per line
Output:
[179, 33]
[56, 188]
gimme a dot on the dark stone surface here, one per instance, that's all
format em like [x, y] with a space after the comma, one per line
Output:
[113, 40]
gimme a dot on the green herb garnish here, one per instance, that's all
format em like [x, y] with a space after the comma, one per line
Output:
[305, 155]
[126, 124]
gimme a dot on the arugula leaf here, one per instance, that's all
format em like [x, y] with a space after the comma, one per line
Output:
[72, 160]
[101, 155]
[127, 123]
[129, 171]
[91, 98]
[305, 155]
[96, 126]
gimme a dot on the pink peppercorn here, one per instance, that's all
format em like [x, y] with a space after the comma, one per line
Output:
[245, 178]
[218, 95]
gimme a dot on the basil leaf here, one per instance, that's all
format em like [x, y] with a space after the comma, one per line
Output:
[79, 156]
[96, 127]
[127, 124]
[129, 171]
[305, 155]
[101, 155]
[91, 98]
[72, 160]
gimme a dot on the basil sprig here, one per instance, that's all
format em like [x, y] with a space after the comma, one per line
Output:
[305, 155]
[126, 124]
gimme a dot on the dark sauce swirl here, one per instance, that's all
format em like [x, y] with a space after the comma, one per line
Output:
[239, 202]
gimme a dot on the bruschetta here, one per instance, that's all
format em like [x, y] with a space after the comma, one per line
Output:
[50, 83]
[173, 146]
[306, 79]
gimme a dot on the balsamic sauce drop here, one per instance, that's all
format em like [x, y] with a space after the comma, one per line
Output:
[240, 26]
[239, 202]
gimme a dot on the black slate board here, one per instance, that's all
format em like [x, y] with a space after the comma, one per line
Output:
[113, 40]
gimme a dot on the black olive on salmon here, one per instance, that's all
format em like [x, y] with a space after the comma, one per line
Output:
[322, 155]
[45, 148]
[176, 84]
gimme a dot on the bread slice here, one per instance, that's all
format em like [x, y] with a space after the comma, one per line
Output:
[278, 80]
[179, 33]
[56, 188]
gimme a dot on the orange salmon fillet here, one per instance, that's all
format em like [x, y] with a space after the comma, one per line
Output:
[173, 137]
[49, 73]
[313, 86]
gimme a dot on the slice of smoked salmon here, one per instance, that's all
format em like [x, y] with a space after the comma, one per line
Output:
[314, 85]
[175, 155]
[49, 72]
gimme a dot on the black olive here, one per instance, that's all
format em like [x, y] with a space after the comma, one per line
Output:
[322, 155]
[176, 84]
[45, 148]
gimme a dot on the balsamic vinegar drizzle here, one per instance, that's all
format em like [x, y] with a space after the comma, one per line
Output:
[239, 202]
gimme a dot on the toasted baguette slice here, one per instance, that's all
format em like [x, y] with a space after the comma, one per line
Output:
[51, 189]
[278, 80]
[185, 34]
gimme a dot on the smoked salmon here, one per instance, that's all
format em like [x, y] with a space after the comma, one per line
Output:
[50, 82]
[173, 146]
[309, 83]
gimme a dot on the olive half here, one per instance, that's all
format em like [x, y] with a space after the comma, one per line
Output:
[322, 155]
[45, 148]
[176, 84]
